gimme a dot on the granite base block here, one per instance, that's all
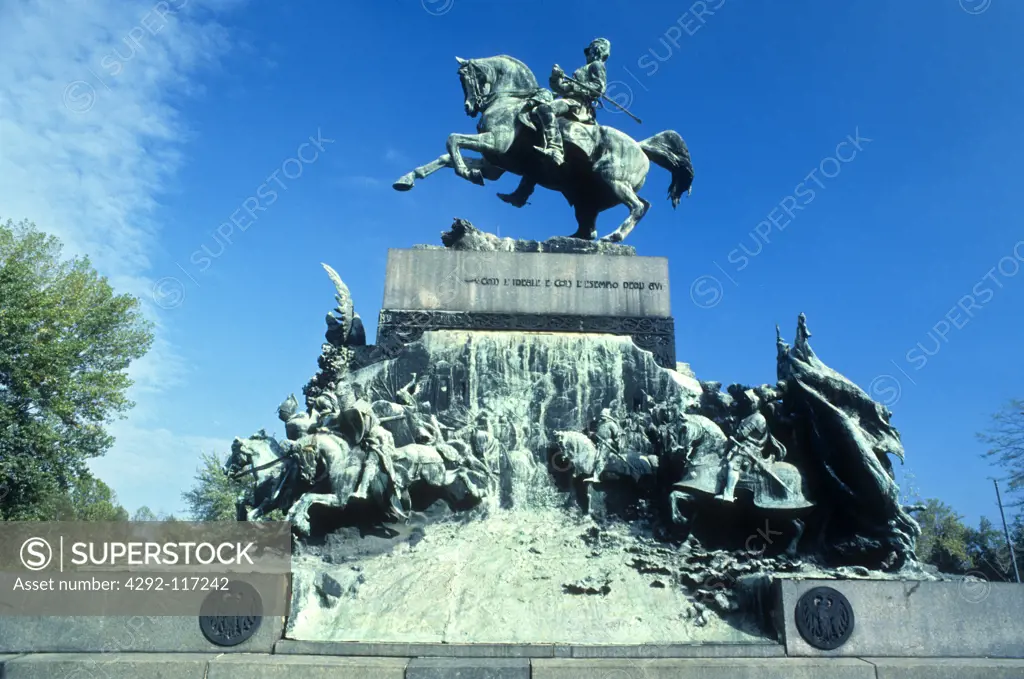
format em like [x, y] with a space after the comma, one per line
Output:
[123, 634]
[704, 668]
[531, 283]
[947, 668]
[468, 668]
[305, 667]
[914, 618]
[106, 666]
[415, 650]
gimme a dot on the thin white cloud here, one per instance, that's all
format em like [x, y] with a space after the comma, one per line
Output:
[89, 143]
[360, 181]
[393, 155]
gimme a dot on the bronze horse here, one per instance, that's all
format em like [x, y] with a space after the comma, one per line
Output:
[603, 167]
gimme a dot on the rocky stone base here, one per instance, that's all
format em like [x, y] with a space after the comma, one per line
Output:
[260, 666]
[533, 576]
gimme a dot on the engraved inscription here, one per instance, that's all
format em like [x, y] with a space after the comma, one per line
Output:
[565, 283]
[527, 283]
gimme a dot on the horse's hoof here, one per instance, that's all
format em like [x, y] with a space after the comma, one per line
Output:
[512, 199]
[585, 235]
[403, 184]
[613, 237]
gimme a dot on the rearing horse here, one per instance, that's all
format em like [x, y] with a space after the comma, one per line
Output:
[603, 167]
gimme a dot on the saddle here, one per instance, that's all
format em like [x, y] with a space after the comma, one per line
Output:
[581, 134]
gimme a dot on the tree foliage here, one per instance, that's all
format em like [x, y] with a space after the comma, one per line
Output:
[66, 341]
[990, 555]
[214, 494]
[144, 513]
[1005, 441]
[88, 500]
[950, 545]
[944, 537]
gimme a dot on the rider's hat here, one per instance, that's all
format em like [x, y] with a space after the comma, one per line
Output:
[603, 46]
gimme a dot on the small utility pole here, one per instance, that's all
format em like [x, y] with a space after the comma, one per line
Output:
[1006, 532]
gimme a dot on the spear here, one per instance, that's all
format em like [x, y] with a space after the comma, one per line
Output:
[603, 96]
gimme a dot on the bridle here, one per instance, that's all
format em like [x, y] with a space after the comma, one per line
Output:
[473, 74]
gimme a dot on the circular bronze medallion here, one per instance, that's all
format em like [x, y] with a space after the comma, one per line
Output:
[824, 618]
[231, 615]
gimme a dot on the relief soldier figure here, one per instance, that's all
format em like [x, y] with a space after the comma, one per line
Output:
[607, 438]
[752, 445]
[362, 428]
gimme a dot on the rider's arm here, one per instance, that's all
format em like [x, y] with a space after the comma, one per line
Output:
[559, 85]
[595, 77]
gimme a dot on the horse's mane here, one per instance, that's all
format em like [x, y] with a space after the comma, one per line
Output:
[260, 445]
[506, 73]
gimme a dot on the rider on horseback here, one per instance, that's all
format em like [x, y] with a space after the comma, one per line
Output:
[578, 97]
[363, 429]
[752, 444]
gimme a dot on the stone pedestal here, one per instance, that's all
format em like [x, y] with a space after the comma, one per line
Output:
[446, 289]
[966, 619]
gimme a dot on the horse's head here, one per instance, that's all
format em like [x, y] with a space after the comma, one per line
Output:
[569, 449]
[251, 452]
[482, 78]
[239, 459]
[474, 86]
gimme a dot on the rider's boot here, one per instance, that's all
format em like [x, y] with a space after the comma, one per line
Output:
[552, 138]
[371, 467]
[396, 509]
[728, 493]
[553, 150]
[362, 491]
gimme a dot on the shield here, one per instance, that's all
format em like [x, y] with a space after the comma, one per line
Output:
[776, 485]
[704, 475]
[354, 422]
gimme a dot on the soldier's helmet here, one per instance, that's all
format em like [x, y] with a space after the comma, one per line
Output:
[752, 398]
[600, 47]
[327, 402]
[287, 408]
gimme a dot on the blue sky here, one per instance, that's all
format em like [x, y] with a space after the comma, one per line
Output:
[135, 130]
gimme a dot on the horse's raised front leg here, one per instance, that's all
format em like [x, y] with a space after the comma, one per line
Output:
[299, 514]
[406, 181]
[481, 143]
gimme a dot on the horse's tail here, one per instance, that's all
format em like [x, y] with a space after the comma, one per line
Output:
[668, 150]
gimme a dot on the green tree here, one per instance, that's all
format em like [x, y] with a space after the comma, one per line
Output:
[144, 513]
[1005, 441]
[989, 555]
[66, 341]
[88, 499]
[214, 494]
[943, 539]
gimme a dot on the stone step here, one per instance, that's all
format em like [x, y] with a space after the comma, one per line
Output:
[535, 650]
[265, 666]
